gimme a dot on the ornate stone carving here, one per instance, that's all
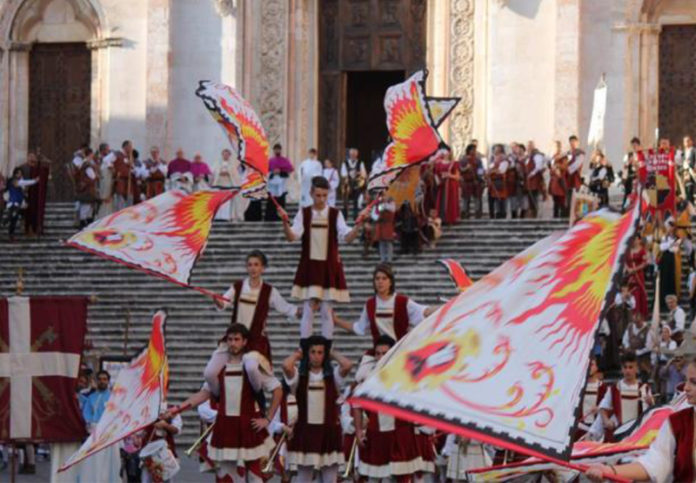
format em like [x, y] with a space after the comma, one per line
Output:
[389, 12]
[224, 8]
[105, 43]
[356, 51]
[359, 12]
[270, 88]
[461, 63]
[390, 50]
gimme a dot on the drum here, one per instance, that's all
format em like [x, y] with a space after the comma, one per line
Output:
[159, 461]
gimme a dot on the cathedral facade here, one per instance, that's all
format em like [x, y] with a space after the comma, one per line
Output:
[76, 71]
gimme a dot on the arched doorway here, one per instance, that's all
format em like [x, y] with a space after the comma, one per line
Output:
[364, 46]
[49, 68]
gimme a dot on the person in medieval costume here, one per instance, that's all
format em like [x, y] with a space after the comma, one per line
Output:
[640, 339]
[122, 179]
[251, 299]
[225, 177]
[387, 312]
[319, 274]
[497, 188]
[634, 265]
[668, 258]
[163, 429]
[601, 177]
[514, 180]
[447, 175]
[87, 188]
[156, 173]
[620, 314]
[576, 162]
[317, 442]
[624, 401]
[106, 180]
[388, 447]
[36, 194]
[671, 455]
[558, 183]
[471, 172]
[534, 179]
[309, 168]
[238, 379]
[629, 172]
[331, 174]
[353, 178]
[686, 166]
[593, 395]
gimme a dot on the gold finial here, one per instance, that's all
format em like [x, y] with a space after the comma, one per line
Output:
[20, 281]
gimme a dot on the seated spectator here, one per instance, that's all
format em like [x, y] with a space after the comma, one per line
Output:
[671, 375]
[676, 318]
[433, 228]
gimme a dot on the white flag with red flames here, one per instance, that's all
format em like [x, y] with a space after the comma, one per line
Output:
[136, 396]
[505, 362]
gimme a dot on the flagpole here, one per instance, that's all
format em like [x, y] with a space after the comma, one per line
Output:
[19, 286]
[13, 463]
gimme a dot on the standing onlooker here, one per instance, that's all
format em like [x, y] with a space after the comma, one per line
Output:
[86, 188]
[497, 187]
[36, 194]
[447, 172]
[156, 173]
[353, 177]
[558, 184]
[225, 177]
[630, 171]
[139, 174]
[280, 169]
[384, 228]
[472, 172]
[407, 224]
[16, 201]
[673, 374]
[106, 159]
[686, 164]
[179, 172]
[309, 168]
[601, 177]
[534, 179]
[433, 228]
[331, 175]
[635, 263]
[202, 176]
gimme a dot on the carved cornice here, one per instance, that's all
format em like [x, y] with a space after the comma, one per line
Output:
[461, 81]
[637, 27]
[12, 46]
[105, 43]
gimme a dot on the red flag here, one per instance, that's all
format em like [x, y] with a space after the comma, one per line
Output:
[41, 342]
[457, 273]
[657, 175]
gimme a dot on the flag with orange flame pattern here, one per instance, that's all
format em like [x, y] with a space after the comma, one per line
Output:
[505, 362]
[136, 396]
[163, 236]
[412, 122]
[243, 128]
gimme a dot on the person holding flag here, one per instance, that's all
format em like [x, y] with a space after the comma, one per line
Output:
[319, 274]
[239, 379]
[670, 456]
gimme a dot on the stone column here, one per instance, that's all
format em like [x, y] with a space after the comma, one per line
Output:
[99, 102]
[16, 111]
[649, 76]
[157, 116]
[567, 81]
[4, 103]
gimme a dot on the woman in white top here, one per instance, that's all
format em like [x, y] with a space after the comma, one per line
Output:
[331, 174]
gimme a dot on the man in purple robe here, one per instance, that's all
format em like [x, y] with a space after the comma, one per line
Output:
[279, 169]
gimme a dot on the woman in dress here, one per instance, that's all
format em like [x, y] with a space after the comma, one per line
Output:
[223, 178]
[447, 171]
[636, 261]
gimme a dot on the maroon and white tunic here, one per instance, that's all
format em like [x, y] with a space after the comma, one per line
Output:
[576, 160]
[233, 439]
[625, 401]
[671, 457]
[250, 307]
[320, 271]
[392, 317]
[317, 439]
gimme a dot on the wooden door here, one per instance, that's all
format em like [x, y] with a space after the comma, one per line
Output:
[362, 36]
[677, 82]
[59, 108]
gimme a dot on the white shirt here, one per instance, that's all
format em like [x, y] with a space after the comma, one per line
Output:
[315, 377]
[633, 330]
[679, 319]
[258, 378]
[669, 243]
[352, 164]
[538, 164]
[206, 413]
[658, 461]
[415, 315]
[309, 168]
[631, 302]
[624, 388]
[78, 160]
[342, 228]
[110, 158]
[275, 300]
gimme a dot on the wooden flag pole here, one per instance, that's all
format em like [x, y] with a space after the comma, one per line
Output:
[13, 463]
[19, 287]
[126, 332]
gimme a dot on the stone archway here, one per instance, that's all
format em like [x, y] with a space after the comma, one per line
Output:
[22, 24]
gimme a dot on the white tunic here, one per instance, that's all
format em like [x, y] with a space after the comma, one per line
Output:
[309, 168]
[319, 218]
[384, 316]
[630, 397]
[249, 298]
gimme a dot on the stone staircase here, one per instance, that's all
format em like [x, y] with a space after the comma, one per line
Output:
[194, 325]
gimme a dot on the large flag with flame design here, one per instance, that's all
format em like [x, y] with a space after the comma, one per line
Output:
[412, 122]
[163, 236]
[136, 396]
[505, 362]
[637, 437]
[243, 128]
